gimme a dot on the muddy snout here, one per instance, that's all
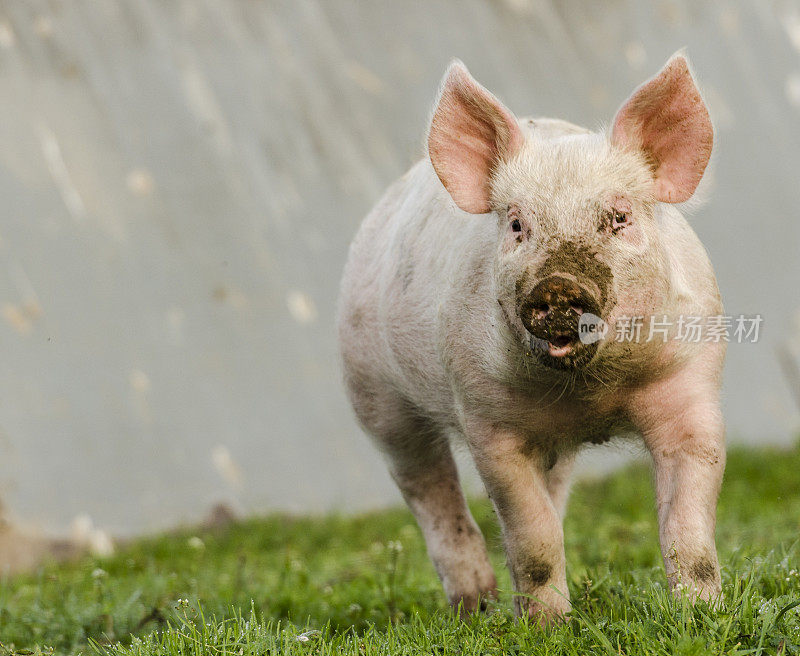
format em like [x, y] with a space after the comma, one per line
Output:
[552, 310]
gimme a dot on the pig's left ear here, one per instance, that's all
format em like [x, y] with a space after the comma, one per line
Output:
[471, 131]
[667, 119]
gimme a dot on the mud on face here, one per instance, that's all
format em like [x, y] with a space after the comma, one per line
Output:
[570, 283]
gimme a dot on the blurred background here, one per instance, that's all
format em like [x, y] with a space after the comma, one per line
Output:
[179, 182]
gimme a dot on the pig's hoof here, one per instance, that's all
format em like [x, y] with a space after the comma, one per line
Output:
[708, 591]
[472, 591]
[471, 603]
[546, 608]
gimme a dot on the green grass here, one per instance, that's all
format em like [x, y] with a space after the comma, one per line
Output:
[364, 585]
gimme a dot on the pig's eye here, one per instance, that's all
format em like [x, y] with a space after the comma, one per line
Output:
[615, 221]
[516, 226]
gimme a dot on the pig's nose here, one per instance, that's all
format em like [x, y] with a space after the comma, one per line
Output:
[556, 298]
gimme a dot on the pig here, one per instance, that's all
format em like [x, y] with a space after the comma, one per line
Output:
[459, 322]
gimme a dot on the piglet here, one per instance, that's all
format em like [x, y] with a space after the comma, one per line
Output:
[522, 290]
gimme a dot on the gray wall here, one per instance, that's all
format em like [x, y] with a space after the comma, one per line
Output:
[180, 181]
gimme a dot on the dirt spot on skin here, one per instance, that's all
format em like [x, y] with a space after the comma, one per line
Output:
[703, 570]
[521, 288]
[408, 274]
[538, 571]
[464, 527]
[581, 262]
[356, 317]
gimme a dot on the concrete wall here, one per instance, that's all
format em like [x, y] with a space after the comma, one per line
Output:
[180, 180]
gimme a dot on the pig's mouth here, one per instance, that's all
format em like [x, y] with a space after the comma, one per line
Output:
[560, 346]
[561, 350]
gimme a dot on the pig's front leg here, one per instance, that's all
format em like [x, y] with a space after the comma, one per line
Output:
[517, 485]
[685, 435]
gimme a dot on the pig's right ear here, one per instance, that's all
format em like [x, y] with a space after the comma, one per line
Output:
[471, 131]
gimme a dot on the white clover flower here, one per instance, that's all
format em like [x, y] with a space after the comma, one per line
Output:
[306, 636]
[196, 543]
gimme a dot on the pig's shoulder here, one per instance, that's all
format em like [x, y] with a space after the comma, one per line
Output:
[550, 128]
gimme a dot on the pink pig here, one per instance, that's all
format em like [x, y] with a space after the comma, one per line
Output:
[461, 307]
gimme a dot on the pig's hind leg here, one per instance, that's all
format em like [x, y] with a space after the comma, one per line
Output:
[454, 541]
[559, 479]
[421, 463]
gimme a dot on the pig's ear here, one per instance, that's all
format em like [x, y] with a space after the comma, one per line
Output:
[471, 131]
[667, 119]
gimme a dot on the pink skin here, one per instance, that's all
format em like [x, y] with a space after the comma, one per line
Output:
[433, 313]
